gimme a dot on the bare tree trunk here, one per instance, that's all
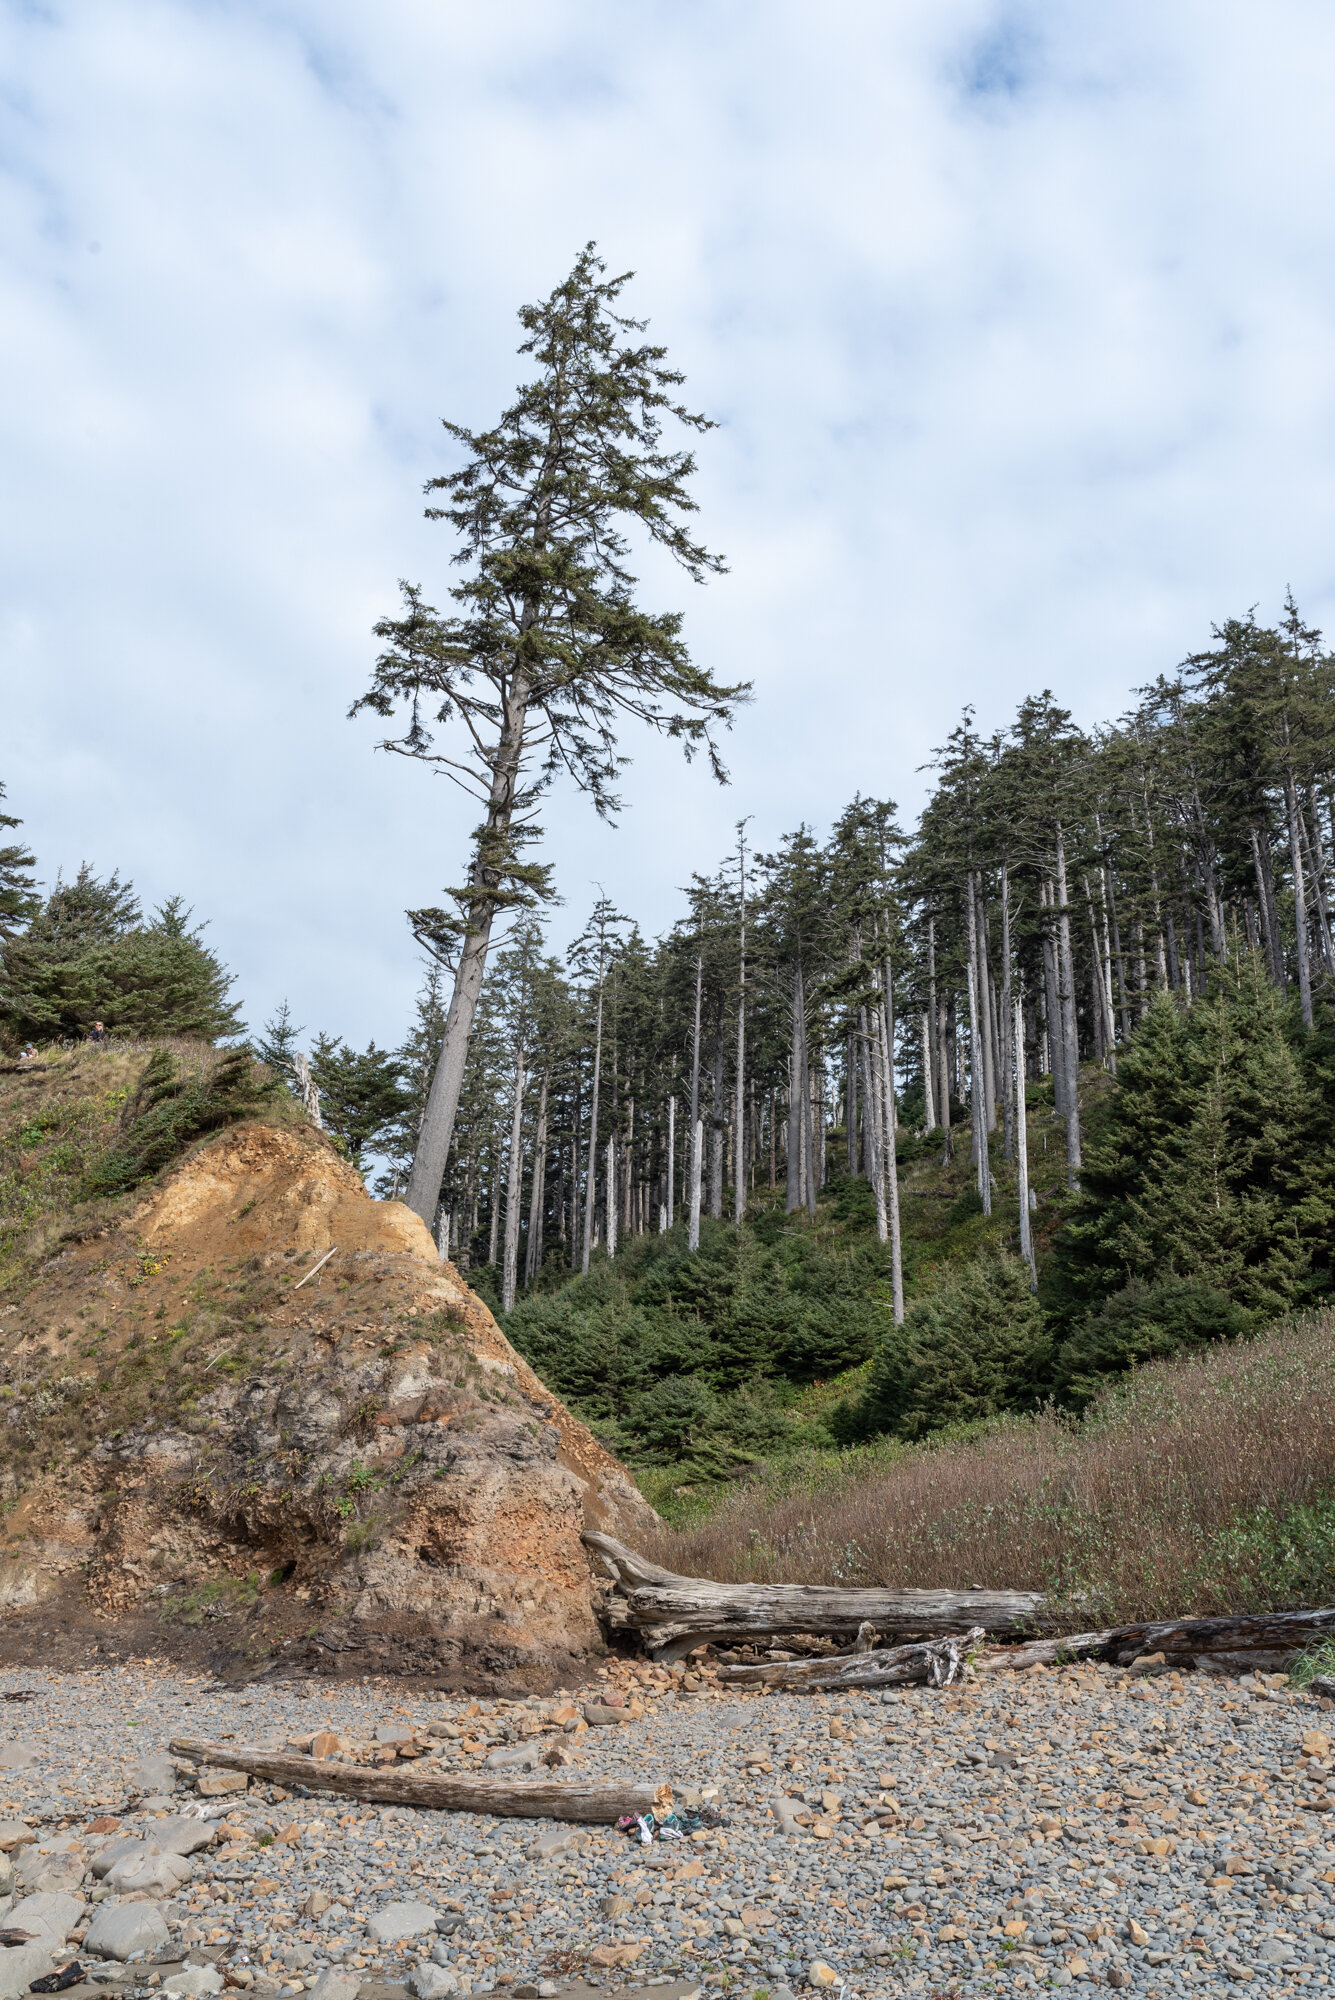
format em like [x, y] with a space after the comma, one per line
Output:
[851, 1106]
[1007, 1052]
[1299, 896]
[1070, 1035]
[739, 1182]
[493, 1234]
[693, 1242]
[671, 1159]
[887, 1022]
[928, 1094]
[977, 1064]
[792, 1198]
[590, 1186]
[513, 1184]
[611, 1210]
[697, 1151]
[985, 1006]
[1022, 1145]
[875, 1127]
[1317, 861]
[1052, 1010]
[538, 1192]
[310, 1096]
[716, 1125]
[1265, 885]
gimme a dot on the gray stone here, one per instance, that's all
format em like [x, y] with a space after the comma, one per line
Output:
[153, 1871]
[523, 1757]
[393, 1732]
[180, 1834]
[51, 1913]
[401, 1920]
[18, 1756]
[120, 1929]
[336, 1986]
[433, 1982]
[558, 1841]
[115, 1850]
[193, 1981]
[1275, 1953]
[40, 1870]
[155, 1774]
[23, 1963]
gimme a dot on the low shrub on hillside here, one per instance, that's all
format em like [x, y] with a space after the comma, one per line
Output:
[172, 1107]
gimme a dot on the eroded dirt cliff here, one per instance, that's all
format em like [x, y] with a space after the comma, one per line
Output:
[211, 1445]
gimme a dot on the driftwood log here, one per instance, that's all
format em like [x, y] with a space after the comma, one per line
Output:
[939, 1662]
[1266, 1639]
[673, 1614]
[591, 1804]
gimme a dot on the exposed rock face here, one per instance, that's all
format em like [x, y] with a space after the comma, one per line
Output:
[191, 1420]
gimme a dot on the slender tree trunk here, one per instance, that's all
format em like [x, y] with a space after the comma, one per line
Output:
[611, 1207]
[716, 1125]
[1299, 896]
[887, 1019]
[493, 1234]
[943, 1053]
[538, 1192]
[1066, 967]
[1316, 861]
[442, 1105]
[1052, 1009]
[1265, 885]
[513, 1187]
[697, 1152]
[696, 1165]
[739, 1177]
[875, 1126]
[928, 1094]
[1022, 1148]
[792, 1199]
[985, 1007]
[1007, 1053]
[977, 1061]
[590, 1186]
[671, 1158]
[773, 1142]
[851, 1106]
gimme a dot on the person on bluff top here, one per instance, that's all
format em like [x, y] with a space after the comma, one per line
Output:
[97, 1033]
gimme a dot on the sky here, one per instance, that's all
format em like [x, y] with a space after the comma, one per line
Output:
[1017, 323]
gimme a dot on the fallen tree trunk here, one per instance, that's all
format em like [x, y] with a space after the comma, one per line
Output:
[1274, 1632]
[674, 1614]
[593, 1804]
[940, 1661]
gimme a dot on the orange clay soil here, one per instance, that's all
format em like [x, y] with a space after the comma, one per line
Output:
[210, 1451]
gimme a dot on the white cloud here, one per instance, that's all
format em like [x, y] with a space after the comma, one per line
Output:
[1019, 322]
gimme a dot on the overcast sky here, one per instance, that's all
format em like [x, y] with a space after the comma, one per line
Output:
[1017, 322]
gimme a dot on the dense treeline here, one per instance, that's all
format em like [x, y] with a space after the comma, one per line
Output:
[1098, 966]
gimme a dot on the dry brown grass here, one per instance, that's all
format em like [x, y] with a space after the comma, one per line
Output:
[1199, 1486]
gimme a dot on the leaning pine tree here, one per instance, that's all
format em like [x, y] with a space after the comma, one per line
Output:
[548, 650]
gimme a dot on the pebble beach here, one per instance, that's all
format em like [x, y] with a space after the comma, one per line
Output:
[1077, 1826]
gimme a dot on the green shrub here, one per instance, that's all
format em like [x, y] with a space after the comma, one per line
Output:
[169, 1109]
[976, 1347]
[1142, 1323]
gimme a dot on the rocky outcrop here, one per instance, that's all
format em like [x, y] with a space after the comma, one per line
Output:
[346, 1466]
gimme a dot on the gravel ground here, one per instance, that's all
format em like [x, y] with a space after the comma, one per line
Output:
[1053, 1828]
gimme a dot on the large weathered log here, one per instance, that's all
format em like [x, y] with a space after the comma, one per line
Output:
[1046, 1652]
[1282, 1632]
[940, 1661]
[673, 1614]
[594, 1804]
